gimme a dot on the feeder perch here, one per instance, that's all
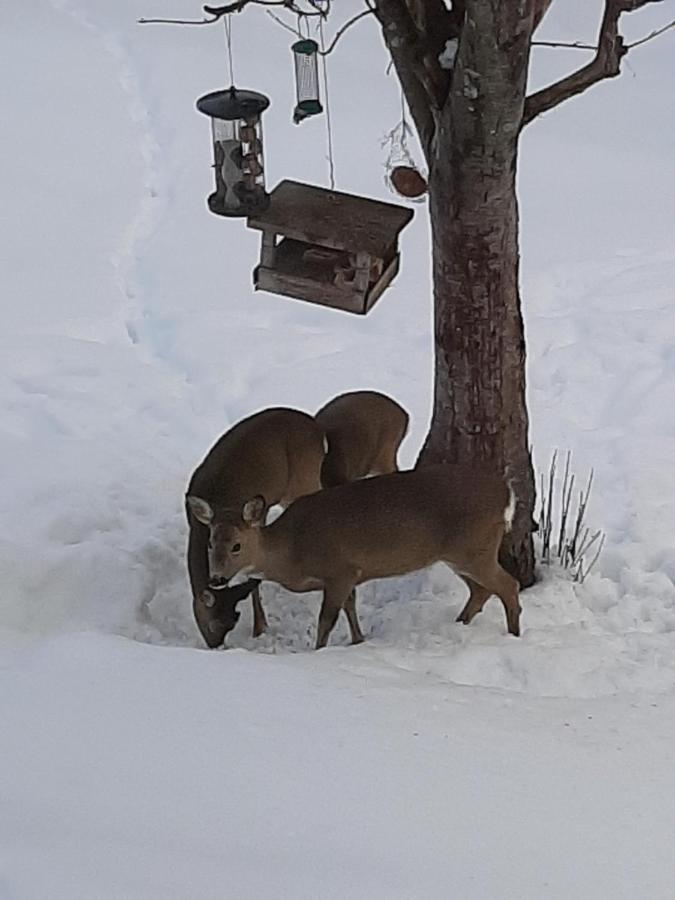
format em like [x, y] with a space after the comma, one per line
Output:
[326, 247]
[237, 151]
[305, 54]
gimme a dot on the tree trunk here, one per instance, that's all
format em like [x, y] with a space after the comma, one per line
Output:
[479, 391]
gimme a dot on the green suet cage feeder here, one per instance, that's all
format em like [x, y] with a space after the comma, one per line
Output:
[306, 57]
[237, 151]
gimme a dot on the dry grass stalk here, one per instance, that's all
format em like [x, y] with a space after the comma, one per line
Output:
[575, 539]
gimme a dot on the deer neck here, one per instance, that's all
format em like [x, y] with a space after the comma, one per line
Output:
[272, 556]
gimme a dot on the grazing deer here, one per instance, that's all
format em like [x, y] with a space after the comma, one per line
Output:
[275, 454]
[379, 527]
[364, 430]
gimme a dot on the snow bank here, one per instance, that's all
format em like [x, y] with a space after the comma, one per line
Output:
[436, 759]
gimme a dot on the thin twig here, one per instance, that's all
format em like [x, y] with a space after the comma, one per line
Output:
[566, 499]
[563, 521]
[176, 21]
[542, 511]
[217, 12]
[338, 34]
[576, 45]
[583, 546]
[581, 513]
[596, 557]
[572, 550]
[283, 24]
[588, 543]
[651, 35]
[341, 31]
[548, 523]
[581, 573]
[239, 5]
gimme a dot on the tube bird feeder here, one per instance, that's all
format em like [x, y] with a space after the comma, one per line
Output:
[305, 55]
[237, 151]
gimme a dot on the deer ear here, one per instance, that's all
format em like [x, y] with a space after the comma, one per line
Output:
[253, 512]
[200, 509]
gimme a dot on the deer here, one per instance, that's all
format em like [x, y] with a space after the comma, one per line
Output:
[358, 433]
[277, 453]
[380, 527]
[364, 431]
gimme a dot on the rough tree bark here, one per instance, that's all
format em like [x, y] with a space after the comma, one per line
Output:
[479, 391]
[469, 129]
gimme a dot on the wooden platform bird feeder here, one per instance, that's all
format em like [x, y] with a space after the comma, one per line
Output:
[326, 247]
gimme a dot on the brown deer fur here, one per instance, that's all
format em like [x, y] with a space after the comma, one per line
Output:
[364, 430]
[377, 528]
[279, 454]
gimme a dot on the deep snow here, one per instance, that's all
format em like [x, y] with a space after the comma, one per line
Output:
[435, 760]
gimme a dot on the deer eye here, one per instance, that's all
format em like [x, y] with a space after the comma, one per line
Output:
[236, 548]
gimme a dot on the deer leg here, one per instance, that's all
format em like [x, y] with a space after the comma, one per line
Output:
[349, 607]
[477, 600]
[335, 594]
[203, 599]
[506, 587]
[259, 619]
[497, 581]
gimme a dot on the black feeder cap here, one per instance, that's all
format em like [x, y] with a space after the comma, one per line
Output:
[232, 104]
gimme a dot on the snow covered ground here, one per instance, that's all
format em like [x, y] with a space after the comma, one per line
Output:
[435, 760]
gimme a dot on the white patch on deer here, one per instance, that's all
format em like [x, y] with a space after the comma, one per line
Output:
[273, 513]
[243, 575]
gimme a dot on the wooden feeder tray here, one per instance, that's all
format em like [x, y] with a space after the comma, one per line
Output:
[329, 248]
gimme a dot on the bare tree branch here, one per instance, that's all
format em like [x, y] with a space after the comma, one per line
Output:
[577, 45]
[217, 12]
[238, 5]
[345, 27]
[574, 45]
[651, 35]
[176, 21]
[403, 42]
[329, 49]
[283, 24]
[606, 63]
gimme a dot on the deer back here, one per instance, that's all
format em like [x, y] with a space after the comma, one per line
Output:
[364, 430]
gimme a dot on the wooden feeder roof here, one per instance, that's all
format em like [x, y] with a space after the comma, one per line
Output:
[331, 219]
